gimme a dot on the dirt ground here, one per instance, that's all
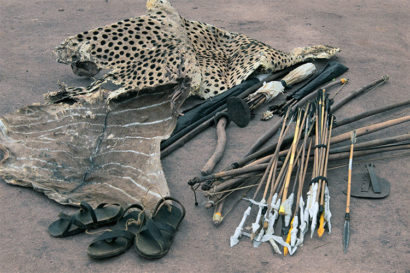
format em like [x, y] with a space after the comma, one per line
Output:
[374, 39]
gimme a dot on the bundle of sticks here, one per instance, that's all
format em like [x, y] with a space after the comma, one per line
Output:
[280, 169]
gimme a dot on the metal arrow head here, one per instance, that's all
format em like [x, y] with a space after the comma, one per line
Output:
[346, 233]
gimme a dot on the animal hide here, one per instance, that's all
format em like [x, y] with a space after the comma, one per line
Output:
[91, 150]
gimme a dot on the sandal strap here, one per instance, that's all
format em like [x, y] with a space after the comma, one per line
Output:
[129, 215]
[100, 206]
[153, 231]
[87, 208]
[120, 213]
[113, 235]
[172, 199]
[72, 220]
[134, 206]
[135, 215]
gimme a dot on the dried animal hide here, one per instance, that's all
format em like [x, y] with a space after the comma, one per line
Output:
[90, 150]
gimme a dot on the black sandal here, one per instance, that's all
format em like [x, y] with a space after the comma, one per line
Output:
[86, 218]
[155, 238]
[115, 242]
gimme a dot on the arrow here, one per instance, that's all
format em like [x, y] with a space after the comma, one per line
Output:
[325, 216]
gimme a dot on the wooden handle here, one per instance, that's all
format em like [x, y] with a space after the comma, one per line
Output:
[219, 149]
[370, 129]
[349, 179]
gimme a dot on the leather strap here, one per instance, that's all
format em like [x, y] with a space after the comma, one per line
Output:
[72, 220]
[111, 236]
[85, 207]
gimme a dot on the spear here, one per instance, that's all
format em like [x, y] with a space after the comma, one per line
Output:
[346, 229]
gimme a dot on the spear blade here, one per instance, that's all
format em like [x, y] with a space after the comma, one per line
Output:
[346, 233]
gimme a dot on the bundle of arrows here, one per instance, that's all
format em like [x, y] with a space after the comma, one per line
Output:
[286, 203]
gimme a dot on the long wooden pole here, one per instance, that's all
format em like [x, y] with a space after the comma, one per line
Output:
[336, 139]
[371, 113]
[346, 228]
[359, 92]
[370, 129]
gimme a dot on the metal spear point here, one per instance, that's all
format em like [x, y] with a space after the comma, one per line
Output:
[346, 228]
[346, 232]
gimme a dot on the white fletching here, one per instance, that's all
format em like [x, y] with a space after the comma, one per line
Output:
[258, 240]
[313, 213]
[304, 217]
[275, 247]
[309, 200]
[238, 231]
[287, 205]
[275, 196]
[294, 231]
[255, 225]
[271, 221]
[328, 214]
[313, 200]
[304, 221]
[279, 240]
[274, 216]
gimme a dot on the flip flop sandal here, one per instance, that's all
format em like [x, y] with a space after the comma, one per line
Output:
[115, 242]
[86, 218]
[155, 238]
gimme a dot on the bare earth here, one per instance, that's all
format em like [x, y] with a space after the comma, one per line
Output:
[374, 39]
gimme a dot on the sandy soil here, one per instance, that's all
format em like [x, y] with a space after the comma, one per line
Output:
[374, 39]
